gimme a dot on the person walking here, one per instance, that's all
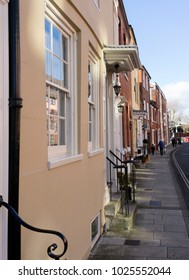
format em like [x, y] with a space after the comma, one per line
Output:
[173, 142]
[161, 147]
[153, 149]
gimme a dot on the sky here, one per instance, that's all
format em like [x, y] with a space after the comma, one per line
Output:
[161, 29]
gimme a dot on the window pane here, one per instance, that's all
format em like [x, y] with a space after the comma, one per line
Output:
[90, 113]
[47, 34]
[53, 102]
[53, 131]
[62, 104]
[90, 124]
[90, 132]
[56, 70]
[89, 81]
[48, 66]
[64, 48]
[62, 134]
[65, 75]
[89, 91]
[56, 41]
[47, 101]
[48, 132]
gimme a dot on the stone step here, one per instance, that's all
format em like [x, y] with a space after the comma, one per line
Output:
[112, 208]
[120, 222]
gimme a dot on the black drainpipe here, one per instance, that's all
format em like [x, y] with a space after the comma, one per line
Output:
[15, 105]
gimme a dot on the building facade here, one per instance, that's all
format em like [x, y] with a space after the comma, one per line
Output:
[159, 115]
[144, 80]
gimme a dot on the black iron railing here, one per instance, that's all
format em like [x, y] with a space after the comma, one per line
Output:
[129, 180]
[120, 153]
[132, 172]
[110, 175]
[53, 246]
[118, 162]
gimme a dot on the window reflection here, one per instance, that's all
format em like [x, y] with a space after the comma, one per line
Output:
[56, 55]
[56, 70]
[56, 41]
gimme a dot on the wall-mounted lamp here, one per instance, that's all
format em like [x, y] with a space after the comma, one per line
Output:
[120, 108]
[117, 85]
[121, 104]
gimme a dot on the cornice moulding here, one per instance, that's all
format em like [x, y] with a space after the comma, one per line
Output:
[4, 2]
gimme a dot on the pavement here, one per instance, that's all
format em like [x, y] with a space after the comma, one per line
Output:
[160, 219]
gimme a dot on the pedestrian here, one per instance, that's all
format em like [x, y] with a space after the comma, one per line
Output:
[153, 149]
[161, 147]
[173, 141]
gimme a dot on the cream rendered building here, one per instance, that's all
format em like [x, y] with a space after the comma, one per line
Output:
[62, 159]
[137, 116]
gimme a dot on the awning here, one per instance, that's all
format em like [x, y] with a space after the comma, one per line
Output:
[125, 56]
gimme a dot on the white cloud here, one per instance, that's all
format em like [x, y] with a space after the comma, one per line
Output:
[177, 95]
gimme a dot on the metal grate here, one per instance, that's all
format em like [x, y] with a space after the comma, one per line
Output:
[132, 242]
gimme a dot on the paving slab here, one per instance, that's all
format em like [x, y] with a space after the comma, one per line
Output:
[112, 240]
[111, 250]
[178, 253]
[170, 235]
[144, 251]
[174, 243]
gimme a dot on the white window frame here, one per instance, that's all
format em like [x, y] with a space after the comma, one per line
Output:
[93, 103]
[148, 110]
[63, 154]
[145, 108]
[153, 136]
[152, 113]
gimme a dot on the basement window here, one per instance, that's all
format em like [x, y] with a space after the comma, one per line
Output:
[95, 229]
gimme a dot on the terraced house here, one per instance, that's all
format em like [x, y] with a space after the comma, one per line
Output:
[66, 63]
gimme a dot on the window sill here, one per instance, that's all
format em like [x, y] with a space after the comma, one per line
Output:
[95, 152]
[60, 160]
